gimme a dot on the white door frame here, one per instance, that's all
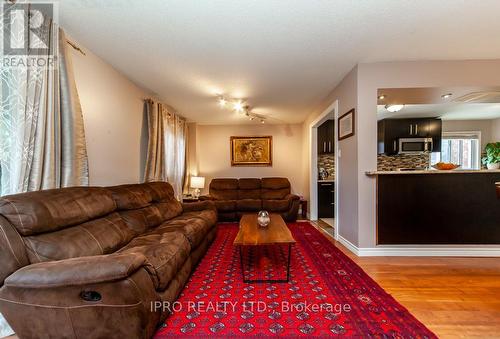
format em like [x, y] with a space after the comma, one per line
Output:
[313, 163]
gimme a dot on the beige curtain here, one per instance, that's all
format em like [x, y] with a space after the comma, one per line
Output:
[42, 138]
[166, 155]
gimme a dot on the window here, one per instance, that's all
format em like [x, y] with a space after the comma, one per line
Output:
[461, 148]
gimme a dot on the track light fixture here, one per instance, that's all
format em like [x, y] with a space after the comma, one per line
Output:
[222, 102]
[239, 106]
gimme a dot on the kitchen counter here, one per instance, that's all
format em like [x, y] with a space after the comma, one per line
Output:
[327, 180]
[450, 207]
[374, 173]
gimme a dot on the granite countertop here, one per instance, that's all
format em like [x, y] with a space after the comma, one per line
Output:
[458, 171]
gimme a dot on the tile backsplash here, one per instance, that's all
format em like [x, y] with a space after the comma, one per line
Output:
[393, 162]
[327, 161]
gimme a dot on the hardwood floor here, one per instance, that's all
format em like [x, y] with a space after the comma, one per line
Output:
[454, 297]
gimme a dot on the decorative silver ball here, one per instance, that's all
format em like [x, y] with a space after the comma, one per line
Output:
[263, 219]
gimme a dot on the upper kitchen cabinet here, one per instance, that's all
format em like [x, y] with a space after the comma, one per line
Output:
[391, 130]
[326, 137]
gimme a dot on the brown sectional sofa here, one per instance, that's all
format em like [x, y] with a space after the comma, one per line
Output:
[88, 262]
[235, 197]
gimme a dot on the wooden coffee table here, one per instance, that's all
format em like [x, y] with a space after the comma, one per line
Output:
[251, 234]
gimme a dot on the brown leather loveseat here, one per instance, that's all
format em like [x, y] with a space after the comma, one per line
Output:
[93, 262]
[235, 197]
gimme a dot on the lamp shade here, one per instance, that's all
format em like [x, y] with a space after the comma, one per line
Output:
[197, 182]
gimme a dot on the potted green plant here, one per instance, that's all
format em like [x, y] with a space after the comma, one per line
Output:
[492, 158]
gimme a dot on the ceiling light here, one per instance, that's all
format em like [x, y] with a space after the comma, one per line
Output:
[381, 97]
[222, 101]
[262, 121]
[238, 106]
[446, 96]
[251, 118]
[394, 108]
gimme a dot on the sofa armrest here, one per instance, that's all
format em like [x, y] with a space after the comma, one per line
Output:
[292, 197]
[199, 206]
[77, 271]
[206, 197]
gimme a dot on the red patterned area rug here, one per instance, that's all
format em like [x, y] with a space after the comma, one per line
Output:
[327, 295]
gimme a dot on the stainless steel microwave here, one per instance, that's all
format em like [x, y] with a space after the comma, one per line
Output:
[415, 145]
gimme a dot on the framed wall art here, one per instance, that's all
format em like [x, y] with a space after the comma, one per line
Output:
[251, 151]
[346, 125]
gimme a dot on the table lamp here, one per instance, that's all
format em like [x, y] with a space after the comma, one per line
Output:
[197, 183]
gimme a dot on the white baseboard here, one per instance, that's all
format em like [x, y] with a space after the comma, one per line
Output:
[349, 245]
[422, 251]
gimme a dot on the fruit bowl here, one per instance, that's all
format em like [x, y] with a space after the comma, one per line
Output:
[444, 166]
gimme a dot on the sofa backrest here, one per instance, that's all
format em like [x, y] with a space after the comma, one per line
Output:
[65, 223]
[144, 206]
[275, 188]
[250, 188]
[224, 189]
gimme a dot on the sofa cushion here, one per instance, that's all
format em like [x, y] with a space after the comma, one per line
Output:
[249, 205]
[274, 194]
[169, 209]
[165, 253]
[224, 189]
[275, 205]
[99, 236]
[275, 183]
[129, 197]
[162, 207]
[249, 194]
[51, 210]
[194, 229]
[249, 184]
[225, 205]
[224, 184]
[160, 191]
[224, 194]
[209, 216]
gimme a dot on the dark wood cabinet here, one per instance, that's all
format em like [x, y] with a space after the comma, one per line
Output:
[435, 130]
[326, 199]
[326, 132]
[391, 130]
[444, 208]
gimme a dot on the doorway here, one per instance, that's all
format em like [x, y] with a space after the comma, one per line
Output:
[321, 155]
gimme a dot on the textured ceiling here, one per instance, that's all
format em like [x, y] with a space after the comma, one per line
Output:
[283, 56]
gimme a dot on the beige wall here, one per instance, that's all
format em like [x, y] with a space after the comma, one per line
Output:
[495, 130]
[346, 94]
[483, 126]
[113, 114]
[211, 154]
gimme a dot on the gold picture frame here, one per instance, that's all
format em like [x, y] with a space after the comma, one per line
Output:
[252, 151]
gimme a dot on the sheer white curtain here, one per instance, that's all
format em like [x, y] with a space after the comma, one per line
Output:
[166, 157]
[42, 137]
